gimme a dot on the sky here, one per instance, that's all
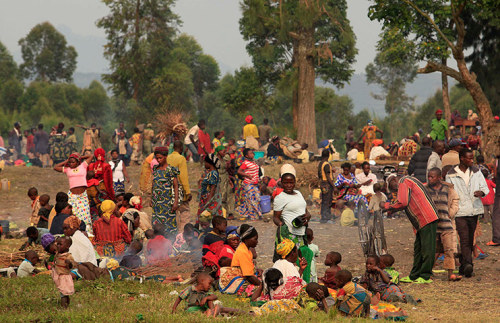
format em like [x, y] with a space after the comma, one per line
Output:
[214, 23]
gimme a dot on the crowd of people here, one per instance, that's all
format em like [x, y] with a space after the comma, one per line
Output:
[99, 229]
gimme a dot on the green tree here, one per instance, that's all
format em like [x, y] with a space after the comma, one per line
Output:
[140, 36]
[8, 67]
[333, 113]
[438, 29]
[95, 102]
[307, 38]
[46, 55]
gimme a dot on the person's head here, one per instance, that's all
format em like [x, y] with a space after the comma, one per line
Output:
[33, 130]
[426, 141]
[60, 127]
[158, 228]
[217, 134]
[233, 239]
[275, 140]
[372, 261]
[466, 157]
[40, 126]
[351, 205]
[44, 200]
[136, 130]
[114, 154]
[211, 161]
[287, 250]
[203, 282]
[161, 154]
[365, 167]
[135, 247]
[333, 258]
[122, 134]
[456, 144]
[346, 168]
[178, 146]
[438, 146]
[309, 235]
[70, 225]
[446, 169]
[340, 205]
[32, 257]
[266, 121]
[202, 124]
[325, 154]
[71, 130]
[434, 176]
[393, 183]
[126, 199]
[480, 159]
[220, 151]
[26, 133]
[288, 181]
[63, 244]
[32, 233]
[93, 126]
[231, 142]
[377, 187]
[119, 199]
[386, 260]
[273, 278]
[225, 262]
[219, 223]
[107, 210]
[439, 114]
[32, 193]
[248, 153]
[17, 125]
[342, 277]
[149, 233]
[61, 197]
[317, 291]
[473, 131]
[48, 242]
[350, 128]
[73, 160]
[485, 172]
[248, 235]
[121, 125]
[63, 208]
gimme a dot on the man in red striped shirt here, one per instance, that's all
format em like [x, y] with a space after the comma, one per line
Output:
[422, 213]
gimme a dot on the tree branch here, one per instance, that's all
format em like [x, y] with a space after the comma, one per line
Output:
[432, 67]
[431, 21]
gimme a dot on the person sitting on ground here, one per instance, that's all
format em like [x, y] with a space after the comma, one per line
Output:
[35, 205]
[60, 197]
[232, 243]
[274, 149]
[277, 287]
[110, 229]
[133, 222]
[27, 267]
[374, 205]
[44, 211]
[131, 259]
[322, 299]
[63, 211]
[34, 236]
[289, 255]
[377, 280]
[387, 263]
[159, 248]
[188, 240]
[81, 248]
[214, 242]
[352, 299]
[348, 185]
[347, 218]
[332, 260]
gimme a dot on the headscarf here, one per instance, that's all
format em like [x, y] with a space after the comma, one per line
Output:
[249, 233]
[46, 240]
[161, 150]
[75, 156]
[388, 180]
[231, 232]
[130, 217]
[370, 123]
[288, 169]
[285, 247]
[439, 111]
[248, 119]
[136, 202]
[103, 171]
[212, 160]
[205, 216]
[73, 222]
[107, 208]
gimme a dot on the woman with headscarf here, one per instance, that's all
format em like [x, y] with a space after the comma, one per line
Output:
[210, 197]
[135, 206]
[109, 231]
[232, 243]
[81, 248]
[250, 129]
[289, 254]
[349, 186]
[249, 209]
[167, 194]
[56, 142]
[103, 173]
[278, 287]
[77, 177]
[242, 272]
[133, 222]
[290, 211]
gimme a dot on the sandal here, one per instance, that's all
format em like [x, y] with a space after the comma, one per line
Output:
[420, 280]
[406, 279]
[492, 244]
[455, 278]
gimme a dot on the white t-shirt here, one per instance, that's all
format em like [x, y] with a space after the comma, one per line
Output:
[314, 274]
[82, 249]
[118, 171]
[287, 268]
[366, 189]
[291, 206]
[193, 131]
[25, 269]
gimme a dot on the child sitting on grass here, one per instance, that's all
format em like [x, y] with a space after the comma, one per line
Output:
[321, 295]
[347, 218]
[27, 267]
[44, 211]
[35, 205]
[386, 263]
[352, 299]
[198, 298]
[378, 281]
[61, 273]
[332, 260]
[159, 248]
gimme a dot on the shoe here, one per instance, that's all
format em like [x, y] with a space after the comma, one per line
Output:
[468, 269]
[482, 256]
[441, 258]
[330, 222]
[492, 244]
[406, 279]
[420, 280]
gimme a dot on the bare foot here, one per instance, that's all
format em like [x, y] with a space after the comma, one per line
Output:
[375, 299]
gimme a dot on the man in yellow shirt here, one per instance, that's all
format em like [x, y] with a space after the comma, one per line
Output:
[250, 129]
[175, 159]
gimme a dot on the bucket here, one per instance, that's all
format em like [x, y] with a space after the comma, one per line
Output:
[5, 184]
[265, 204]
[258, 154]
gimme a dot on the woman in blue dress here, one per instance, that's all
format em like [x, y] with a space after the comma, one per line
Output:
[348, 185]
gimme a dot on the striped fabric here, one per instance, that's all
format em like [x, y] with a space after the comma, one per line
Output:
[414, 198]
[441, 200]
[252, 169]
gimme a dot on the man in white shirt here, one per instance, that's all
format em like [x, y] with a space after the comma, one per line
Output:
[191, 140]
[367, 179]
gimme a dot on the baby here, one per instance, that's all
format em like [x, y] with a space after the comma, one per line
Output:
[332, 260]
[27, 267]
[61, 273]
[352, 299]
[44, 211]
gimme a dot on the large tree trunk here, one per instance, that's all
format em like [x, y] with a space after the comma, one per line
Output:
[306, 121]
[446, 94]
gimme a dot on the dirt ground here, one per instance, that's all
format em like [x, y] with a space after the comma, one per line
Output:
[474, 299]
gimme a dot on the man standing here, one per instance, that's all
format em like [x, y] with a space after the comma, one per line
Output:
[439, 127]
[470, 185]
[124, 149]
[435, 157]
[418, 162]
[325, 173]
[15, 138]
[446, 200]
[116, 134]
[226, 186]
[451, 157]
[175, 159]
[265, 132]
[42, 146]
[191, 139]
[367, 179]
[204, 143]
[147, 143]
[423, 215]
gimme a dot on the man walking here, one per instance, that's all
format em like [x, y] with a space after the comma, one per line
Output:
[470, 185]
[191, 140]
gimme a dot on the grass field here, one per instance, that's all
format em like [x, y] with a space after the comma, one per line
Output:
[36, 299]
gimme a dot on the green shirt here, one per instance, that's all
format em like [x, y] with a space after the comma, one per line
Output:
[439, 129]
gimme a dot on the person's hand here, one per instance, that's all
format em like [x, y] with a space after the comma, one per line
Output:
[368, 182]
[319, 295]
[302, 263]
[478, 194]
[203, 301]
[352, 185]
[189, 197]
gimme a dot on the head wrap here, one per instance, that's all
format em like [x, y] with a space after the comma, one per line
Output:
[377, 142]
[100, 155]
[46, 240]
[149, 125]
[75, 156]
[388, 180]
[136, 202]
[288, 169]
[231, 232]
[274, 138]
[212, 160]
[161, 150]
[205, 216]
[250, 232]
[130, 217]
[285, 247]
[248, 119]
[73, 222]
[107, 208]
[439, 111]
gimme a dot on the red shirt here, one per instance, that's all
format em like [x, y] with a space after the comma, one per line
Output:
[418, 204]
[30, 144]
[204, 140]
[490, 198]
[159, 248]
[115, 230]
